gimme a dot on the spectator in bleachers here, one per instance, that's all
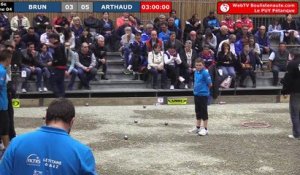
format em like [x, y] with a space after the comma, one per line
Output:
[16, 61]
[32, 37]
[71, 17]
[229, 23]
[71, 71]
[106, 27]
[136, 23]
[173, 42]
[274, 30]
[244, 32]
[192, 24]
[164, 35]
[254, 46]
[5, 30]
[291, 35]
[138, 57]
[77, 28]
[19, 23]
[278, 61]
[210, 40]
[146, 35]
[156, 65]
[154, 41]
[60, 21]
[244, 21]
[86, 36]
[92, 23]
[86, 66]
[172, 63]
[68, 36]
[239, 44]
[122, 20]
[158, 21]
[99, 51]
[173, 28]
[231, 41]
[188, 57]
[59, 65]
[263, 40]
[226, 61]
[197, 41]
[177, 21]
[209, 59]
[31, 65]
[222, 35]
[121, 30]
[126, 39]
[44, 39]
[45, 59]
[211, 22]
[20, 45]
[40, 22]
[248, 60]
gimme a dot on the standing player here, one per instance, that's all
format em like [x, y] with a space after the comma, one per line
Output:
[5, 59]
[202, 83]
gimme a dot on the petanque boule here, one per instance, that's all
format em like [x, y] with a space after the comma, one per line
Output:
[166, 123]
[125, 137]
[135, 121]
[87, 104]
[144, 106]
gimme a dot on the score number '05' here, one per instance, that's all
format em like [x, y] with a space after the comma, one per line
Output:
[156, 7]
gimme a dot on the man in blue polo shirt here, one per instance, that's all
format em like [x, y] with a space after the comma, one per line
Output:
[50, 149]
[5, 59]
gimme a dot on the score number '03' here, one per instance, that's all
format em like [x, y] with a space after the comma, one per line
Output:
[156, 7]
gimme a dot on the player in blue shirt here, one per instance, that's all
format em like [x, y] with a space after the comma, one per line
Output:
[5, 59]
[202, 83]
[50, 149]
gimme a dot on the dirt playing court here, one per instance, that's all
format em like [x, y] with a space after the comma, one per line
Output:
[153, 148]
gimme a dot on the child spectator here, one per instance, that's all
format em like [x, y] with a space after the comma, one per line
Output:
[202, 83]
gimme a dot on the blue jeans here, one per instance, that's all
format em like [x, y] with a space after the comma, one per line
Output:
[74, 73]
[228, 71]
[295, 113]
[37, 71]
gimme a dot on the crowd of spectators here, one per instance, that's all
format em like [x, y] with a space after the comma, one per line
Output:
[166, 46]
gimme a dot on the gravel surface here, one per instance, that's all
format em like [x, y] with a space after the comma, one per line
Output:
[153, 148]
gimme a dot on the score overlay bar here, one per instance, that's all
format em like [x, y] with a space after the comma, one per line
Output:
[71, 6]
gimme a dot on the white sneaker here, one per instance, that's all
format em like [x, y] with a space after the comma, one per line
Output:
[194, 130]
[203, 132]
[293, 137]
[186, 86]
[172, 87]
[45, 89]
[23, 90]
[40, 89]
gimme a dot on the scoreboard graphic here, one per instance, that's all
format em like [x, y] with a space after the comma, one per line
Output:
[99, 6]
